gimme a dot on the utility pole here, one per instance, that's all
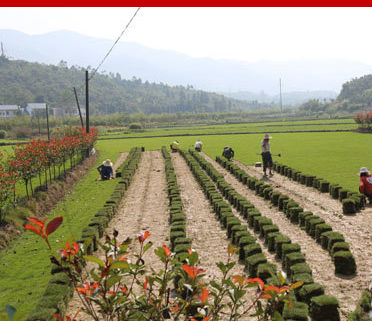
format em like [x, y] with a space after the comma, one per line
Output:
[87, 100]
[2, 50]
[47, 115]
[78, 105]
[280, 90]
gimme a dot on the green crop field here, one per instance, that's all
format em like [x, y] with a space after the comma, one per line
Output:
[334, 156]
[317, 125]
[25, 265]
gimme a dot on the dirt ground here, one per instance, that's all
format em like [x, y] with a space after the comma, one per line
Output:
[356, 230]
[145, 207]
[54, 194]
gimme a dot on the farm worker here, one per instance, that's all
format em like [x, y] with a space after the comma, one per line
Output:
[105, 170]
[198, 145]
[228, 152]
[266, 155]
[174, 146]
[365, 183]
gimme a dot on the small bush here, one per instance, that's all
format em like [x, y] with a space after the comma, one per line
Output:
[311, 290]
[344, 263]
[252, 263]
[252, 249]
[348, 206]
[3, 134]
[324, 308]
[297, 311]
[319, 229]
[135, 126]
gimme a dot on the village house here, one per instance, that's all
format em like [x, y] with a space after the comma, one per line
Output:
[9, 110]
[34, 109]
[67, 111]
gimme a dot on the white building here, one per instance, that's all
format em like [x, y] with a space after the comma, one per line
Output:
[8, 110]
[33, 109]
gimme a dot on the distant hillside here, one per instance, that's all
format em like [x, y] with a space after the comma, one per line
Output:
[23, 82]
[173, 68]
[357, 91]
[289, 98]
[355, 97]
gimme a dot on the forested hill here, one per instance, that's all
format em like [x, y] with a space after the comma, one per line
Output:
[357, 91]
[24, 82]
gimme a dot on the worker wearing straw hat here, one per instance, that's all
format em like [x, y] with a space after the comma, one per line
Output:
[105, 170]
[365, 183]
[266, 155]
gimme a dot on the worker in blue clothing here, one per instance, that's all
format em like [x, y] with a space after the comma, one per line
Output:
[105, 170]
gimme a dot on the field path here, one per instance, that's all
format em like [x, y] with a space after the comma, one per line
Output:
[357, 229]
[144, 207]
[208, 238]
[345, 290]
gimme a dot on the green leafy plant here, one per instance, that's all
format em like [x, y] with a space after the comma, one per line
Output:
[121, 289]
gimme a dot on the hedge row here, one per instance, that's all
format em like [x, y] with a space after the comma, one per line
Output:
[314, 226]
[293, 261]
[59, 290]
[351, 201]
[255, 261]
[177, 219]
[322, 307]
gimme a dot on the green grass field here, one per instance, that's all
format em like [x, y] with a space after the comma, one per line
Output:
[24, 266]
[313, 125]
[334, 156]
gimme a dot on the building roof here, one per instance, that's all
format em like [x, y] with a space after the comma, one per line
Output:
[33, 106]
[9, 107]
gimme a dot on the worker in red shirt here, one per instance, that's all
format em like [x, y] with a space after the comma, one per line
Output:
[365, 183]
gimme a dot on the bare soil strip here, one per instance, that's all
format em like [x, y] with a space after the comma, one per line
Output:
[208, 238]
[357, 229]
[144, 207]
[345, 290]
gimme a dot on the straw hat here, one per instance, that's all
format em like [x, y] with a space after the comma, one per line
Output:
[363, 170]
[267, 136]
[107, 163]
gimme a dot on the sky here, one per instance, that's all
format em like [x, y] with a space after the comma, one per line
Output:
[247, 34]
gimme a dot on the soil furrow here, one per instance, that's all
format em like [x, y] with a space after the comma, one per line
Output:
[317, 258]
[144, 207]
[356, 229]
[208, 237]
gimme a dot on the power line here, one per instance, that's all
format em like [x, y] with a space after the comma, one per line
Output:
[112, 47]
[108, 53]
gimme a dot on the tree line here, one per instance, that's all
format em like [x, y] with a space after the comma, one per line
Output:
[25, 82]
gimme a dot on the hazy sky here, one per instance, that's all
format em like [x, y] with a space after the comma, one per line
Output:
[248, 34]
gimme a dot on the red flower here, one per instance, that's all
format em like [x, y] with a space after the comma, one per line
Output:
[142, 237]
[68, 251]
[256, 281]
[192, 271]
[87, 290]
[167, 251]
[145, 284]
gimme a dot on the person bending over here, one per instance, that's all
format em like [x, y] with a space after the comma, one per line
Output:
[198, 145]
[228, 152]
[105, 170]
[365, 183]
[175, 146]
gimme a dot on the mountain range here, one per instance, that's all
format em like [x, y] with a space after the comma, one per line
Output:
[173, 68]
